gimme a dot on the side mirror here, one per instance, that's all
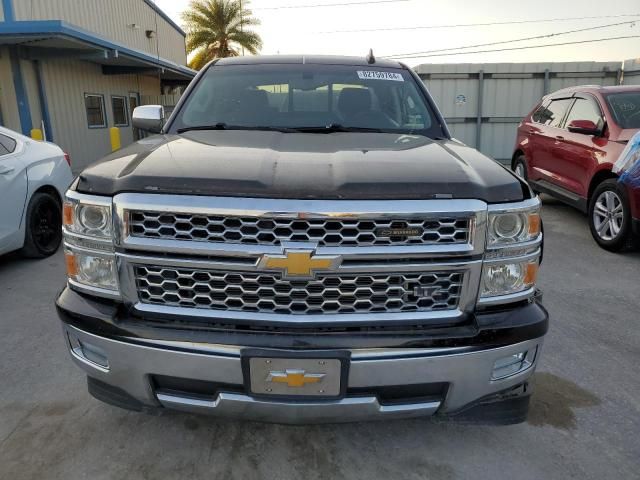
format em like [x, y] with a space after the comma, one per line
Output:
[586, 127]
[149, 118]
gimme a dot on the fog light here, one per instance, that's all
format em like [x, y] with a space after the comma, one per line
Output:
[94, 354]
[516, 363]
[87, 352]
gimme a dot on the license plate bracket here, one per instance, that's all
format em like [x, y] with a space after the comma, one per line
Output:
[295, 375]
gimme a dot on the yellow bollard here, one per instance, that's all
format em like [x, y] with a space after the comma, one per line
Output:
[36, 134]
[114, 133]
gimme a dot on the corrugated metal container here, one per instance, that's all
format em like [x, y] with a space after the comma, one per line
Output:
[123, 21]
[483, 103]
[66, 82]
[632, 72]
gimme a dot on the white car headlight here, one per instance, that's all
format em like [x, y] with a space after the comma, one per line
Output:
[89, 252]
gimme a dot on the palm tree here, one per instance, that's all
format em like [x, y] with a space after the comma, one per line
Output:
[218, 29]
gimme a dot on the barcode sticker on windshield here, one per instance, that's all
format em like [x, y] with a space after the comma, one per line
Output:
[373, 75]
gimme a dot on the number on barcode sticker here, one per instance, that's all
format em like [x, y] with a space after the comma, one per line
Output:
[374, 75]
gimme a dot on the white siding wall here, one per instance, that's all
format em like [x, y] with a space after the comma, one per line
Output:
[8, 103]
[66, 82]
[111, 19]
[509, 92]
[31, 87]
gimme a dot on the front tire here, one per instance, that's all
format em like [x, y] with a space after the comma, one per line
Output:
[610, 216]
[43, 233]
[520, 167]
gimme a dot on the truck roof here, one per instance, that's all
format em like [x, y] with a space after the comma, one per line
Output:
[309, 59]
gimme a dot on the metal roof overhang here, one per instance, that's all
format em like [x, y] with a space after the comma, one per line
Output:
[57, 39]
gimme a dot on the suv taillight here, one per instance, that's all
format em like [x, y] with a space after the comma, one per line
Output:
[67, 158]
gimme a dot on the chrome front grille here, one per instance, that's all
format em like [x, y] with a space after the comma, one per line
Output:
[242, 260]
[269, 293]
[330, 232]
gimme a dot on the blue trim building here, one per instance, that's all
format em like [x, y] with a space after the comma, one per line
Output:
[119, 48]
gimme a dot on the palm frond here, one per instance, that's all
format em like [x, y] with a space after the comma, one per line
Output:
[219, 28]
[200, 58]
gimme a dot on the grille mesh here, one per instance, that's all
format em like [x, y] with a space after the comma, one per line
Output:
[269, 293]
[274, 231]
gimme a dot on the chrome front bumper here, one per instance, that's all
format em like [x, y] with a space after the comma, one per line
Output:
[130, 366]
[352, 409]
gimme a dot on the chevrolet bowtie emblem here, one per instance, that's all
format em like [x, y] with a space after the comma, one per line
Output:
[299, 263]
[295, 378]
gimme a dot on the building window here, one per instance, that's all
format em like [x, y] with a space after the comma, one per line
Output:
[95, 110]
[120, 114]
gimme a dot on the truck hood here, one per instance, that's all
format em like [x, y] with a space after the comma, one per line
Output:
[302, 166]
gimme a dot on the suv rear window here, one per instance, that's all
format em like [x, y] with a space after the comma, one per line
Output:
[552, 113]
[625, 108]
[303, 96]
[540, 115]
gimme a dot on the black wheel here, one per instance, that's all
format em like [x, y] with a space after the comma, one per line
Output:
[610, 216]
[520, 167]
[43, 226]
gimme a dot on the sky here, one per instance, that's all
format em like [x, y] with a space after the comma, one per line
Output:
[317, 30]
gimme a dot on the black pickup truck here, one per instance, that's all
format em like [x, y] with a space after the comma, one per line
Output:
[303, 241]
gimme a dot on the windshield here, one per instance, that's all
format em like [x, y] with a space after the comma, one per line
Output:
[625, 108]
[308, 96]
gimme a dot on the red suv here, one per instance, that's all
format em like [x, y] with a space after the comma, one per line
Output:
[567, 146]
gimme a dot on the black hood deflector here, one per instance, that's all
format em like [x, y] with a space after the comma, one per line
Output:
[263, 164]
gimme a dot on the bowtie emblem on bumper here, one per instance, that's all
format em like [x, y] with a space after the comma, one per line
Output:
[295, 378]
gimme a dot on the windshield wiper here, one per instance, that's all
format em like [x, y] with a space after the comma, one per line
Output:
[336, 127]
[216, 126]
[331, 128]
[224, 126]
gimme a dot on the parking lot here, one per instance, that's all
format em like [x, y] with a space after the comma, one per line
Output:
[584, 421]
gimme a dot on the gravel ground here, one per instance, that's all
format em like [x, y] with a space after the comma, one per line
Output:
[584, 421]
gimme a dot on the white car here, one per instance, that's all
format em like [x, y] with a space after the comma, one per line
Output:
[33, 179]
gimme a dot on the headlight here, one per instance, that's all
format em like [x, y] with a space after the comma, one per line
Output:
[507, 228]
[95, 220]
[512, 256]
[89, 251]
[90, 219]
[508, 278]
[92, 269]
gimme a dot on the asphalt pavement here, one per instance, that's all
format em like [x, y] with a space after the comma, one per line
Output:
[584, 422]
